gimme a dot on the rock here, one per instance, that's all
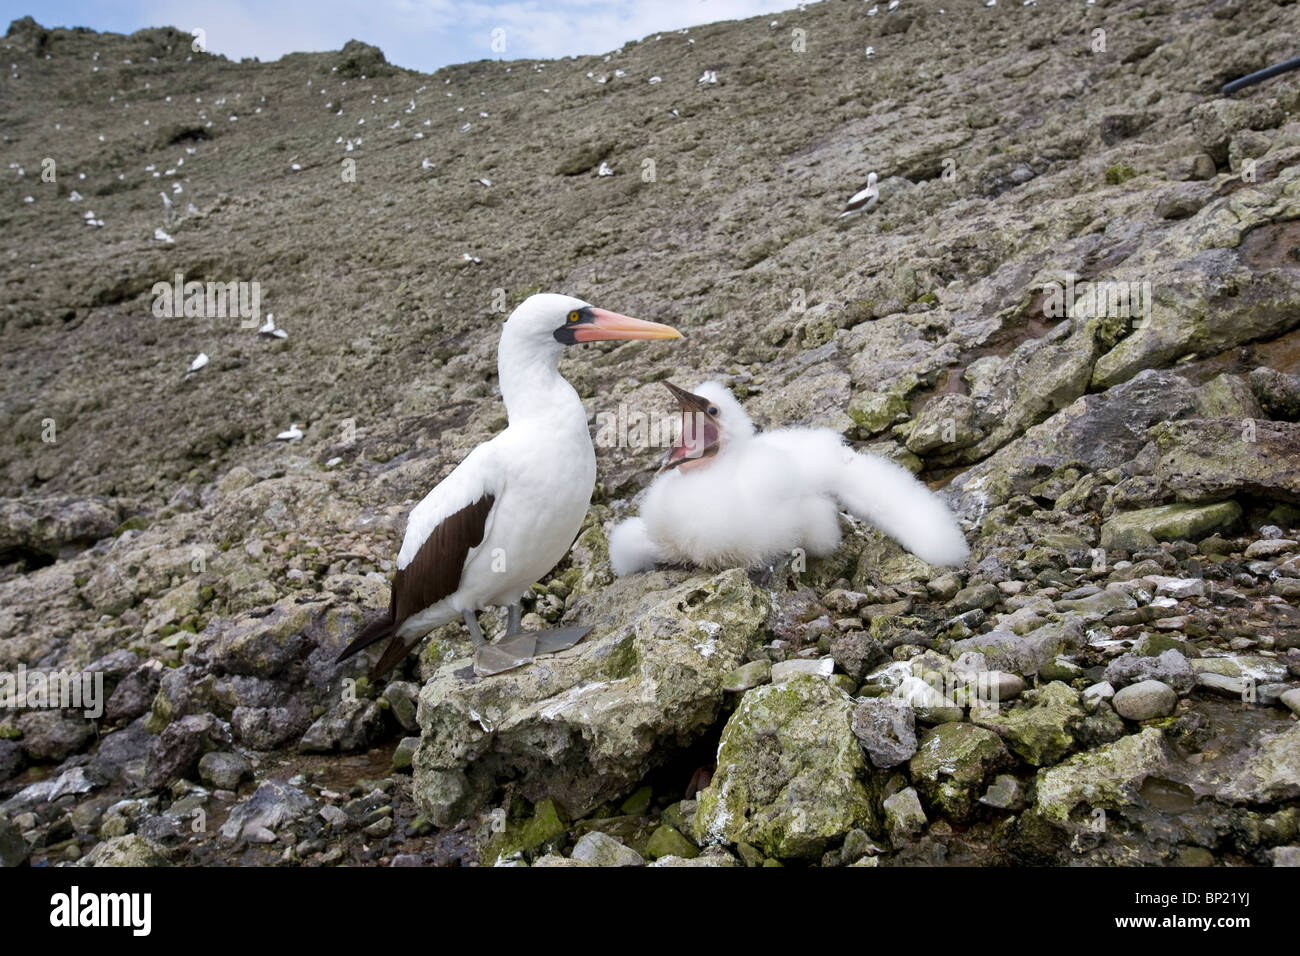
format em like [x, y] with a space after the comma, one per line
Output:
[904, 818]
[404, 753]
[1183, 202]
[784, 670]
[1285, 855]
[266, 645]
[52, 526]
[790, 774]
[1096, 606]
[600, 849]
[349, 725]
[176, 751]
[1278, 393]
[1005, 793]
[402, 697]
[587, 725]
[946, 423]
[1140, 530]
[1228, 396]
[1170, 667]
[856, 652]
[1212, 459]
[1215, 121]
[545, 829]
[1270, 548]
[272, 806]
[930, 704]
[225, 771]
[953, 763]
[11, 759]
[1106, 429]
[1023, 654]
[1042, 733]
[134, 692]
[549, 860]
[886, 728]
[1291, 699]
[982, 596]
[748, 675]
[1145, 700]
[1269, 772]
[51, 736]
[13, 848]
[667, 841]
[1104, 778]
[130, 850]
[1095, 693]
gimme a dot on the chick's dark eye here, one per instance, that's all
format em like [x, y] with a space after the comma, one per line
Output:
[573, 316]
[713, 410]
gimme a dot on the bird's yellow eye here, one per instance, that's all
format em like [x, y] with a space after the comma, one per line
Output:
[573, 316]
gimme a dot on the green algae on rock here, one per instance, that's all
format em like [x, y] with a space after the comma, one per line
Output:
[791, 778]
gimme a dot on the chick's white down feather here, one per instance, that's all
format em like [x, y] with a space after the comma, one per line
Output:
[765, 494]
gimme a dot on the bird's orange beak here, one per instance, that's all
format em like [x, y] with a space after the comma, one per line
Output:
[610, 325]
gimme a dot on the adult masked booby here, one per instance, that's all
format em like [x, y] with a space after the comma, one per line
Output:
[729, 496]
[509, 512]
[866, 199]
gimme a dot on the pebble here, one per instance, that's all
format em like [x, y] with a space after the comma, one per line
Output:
[1291, 699]
[1145, 700]
[784, 670]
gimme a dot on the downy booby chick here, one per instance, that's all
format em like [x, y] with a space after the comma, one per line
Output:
[509, 512]
[729, 496]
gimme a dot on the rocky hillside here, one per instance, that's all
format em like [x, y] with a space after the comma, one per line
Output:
[1126, 477]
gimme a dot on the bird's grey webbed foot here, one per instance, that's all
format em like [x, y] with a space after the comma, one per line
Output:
[512, 628]
[559, 639]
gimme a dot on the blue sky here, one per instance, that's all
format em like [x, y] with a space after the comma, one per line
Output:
[418, 34]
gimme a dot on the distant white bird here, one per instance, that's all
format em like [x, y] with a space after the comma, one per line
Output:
[200, 361]
[893, 5]
[604, 170]
[873, 11]
[729, 496]
[161, 236]
[865, 200]
[655, 79]
[871, 51]
[269, 329]
[508, 512]
[426, 163]
[710, 76]
[484, 181]
[293, 433]
[74, 196]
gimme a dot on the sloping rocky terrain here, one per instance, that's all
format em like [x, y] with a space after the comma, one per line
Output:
[1129, 483]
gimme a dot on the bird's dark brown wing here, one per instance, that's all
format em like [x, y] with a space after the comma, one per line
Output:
[433, 574]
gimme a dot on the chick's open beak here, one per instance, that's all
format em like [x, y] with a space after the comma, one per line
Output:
[700, 435]
[607, 325]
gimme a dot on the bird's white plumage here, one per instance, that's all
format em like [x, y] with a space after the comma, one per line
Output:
[765, 494]
[540, 471]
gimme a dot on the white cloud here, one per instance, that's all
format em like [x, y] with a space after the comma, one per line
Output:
[426, 34]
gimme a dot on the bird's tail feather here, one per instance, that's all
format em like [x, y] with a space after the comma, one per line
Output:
[890, 497]
[374, 631]
[631, 549]
[393, 655]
